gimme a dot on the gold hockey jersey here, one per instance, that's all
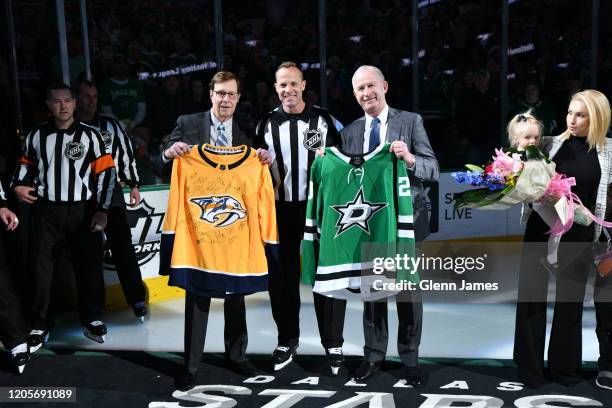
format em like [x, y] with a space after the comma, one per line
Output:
[220, 214]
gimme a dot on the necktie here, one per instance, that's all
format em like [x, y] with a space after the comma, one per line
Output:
[374, 134]
[221, 139]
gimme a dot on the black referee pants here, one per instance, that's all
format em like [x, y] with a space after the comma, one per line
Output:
[284, 276]
[57, 226]
[330, 319]
[14, 325]
[119, 238]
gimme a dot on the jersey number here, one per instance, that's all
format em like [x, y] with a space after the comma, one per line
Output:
[403, 186]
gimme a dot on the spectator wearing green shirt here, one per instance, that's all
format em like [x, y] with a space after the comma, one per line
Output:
[123, 97]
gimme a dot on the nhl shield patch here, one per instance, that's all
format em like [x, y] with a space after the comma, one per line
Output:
[313, 139]
[75, 150]
[107, 138]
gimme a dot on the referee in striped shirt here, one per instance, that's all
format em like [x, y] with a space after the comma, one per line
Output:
[291, 134]
[118, 232]
[73, 180]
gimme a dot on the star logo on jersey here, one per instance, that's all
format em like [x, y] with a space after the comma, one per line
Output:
[313, 139]
[107, 137]
[356, 213]
[221, 211]
[75, 150]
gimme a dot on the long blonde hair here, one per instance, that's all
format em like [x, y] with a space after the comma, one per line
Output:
[598, 107]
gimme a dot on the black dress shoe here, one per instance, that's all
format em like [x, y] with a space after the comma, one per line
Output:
[532, 381]
[242, 367]
[366, 370]
[415, 377]
[185, 381]
[569, 380]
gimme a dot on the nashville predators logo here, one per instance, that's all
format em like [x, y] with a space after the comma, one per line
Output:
[221, 211]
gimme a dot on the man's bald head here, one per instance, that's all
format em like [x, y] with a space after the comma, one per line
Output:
[371, 68]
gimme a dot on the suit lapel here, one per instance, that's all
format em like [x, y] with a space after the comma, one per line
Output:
[359, 137]
[204, 128]
[394, 126]
[236, 134]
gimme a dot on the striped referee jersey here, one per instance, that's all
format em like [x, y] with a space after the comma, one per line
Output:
[67, 165]
[292, 140]
[2, 197]
[118, 144]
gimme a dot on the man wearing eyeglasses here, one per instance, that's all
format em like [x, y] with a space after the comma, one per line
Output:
[217, 127]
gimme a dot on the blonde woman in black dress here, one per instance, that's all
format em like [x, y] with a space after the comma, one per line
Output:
[583, 152]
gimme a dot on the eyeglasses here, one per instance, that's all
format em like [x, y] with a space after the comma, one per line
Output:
[521, 118]
[223, 94]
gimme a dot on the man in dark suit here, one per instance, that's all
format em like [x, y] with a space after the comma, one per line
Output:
[215, 127]
[409, 142]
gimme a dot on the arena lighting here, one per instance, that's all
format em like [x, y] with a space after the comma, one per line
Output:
[426, 3]
[251, 43]
[449, 72]
[356, 38]
[187, 69]
[521, 49]
[408, 61]
[511, 76]
[563, 65]
[484, 37]
[304, 66]
[512, 1]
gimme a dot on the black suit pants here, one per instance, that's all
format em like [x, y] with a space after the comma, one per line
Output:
[410, 325]
[196, 321]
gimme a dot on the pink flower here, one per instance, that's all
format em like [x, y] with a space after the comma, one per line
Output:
[506, 165]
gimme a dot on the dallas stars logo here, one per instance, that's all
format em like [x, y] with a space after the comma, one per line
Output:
[356, 213]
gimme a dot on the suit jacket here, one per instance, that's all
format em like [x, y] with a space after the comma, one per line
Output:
[194, 129]
[408, 127]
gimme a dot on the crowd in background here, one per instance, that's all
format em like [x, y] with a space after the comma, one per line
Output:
[459, 57]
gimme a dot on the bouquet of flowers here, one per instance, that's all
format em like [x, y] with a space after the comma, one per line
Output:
[511, 177]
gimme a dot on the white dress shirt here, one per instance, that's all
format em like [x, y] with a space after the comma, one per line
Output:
[384, 115]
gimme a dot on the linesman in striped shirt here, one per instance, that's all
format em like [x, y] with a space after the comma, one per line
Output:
[291, 134]
[118, 232]
[68, 178]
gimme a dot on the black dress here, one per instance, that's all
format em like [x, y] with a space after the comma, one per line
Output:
[574, 159]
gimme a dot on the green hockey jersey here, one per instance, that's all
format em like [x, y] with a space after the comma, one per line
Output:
[359, 214]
